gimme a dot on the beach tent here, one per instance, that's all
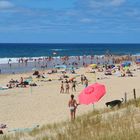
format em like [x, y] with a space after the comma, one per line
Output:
[61, 67]
[138, 61]
[126, 63]
[92, 94]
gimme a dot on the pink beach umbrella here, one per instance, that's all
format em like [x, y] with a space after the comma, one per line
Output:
[92, 94]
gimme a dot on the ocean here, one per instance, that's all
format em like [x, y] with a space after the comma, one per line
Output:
[37, 50]
[14, 52]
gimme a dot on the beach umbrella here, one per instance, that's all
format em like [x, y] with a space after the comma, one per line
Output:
[126, 68]
[92, 94]
[34, 69]
[70, 68]
[61, 66]
[126, 63]
[93, 65]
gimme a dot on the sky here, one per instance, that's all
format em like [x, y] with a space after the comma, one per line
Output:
[69, 21]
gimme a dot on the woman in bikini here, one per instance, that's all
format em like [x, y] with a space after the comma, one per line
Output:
[72, 105]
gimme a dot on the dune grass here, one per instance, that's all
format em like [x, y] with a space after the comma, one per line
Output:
[107, 124]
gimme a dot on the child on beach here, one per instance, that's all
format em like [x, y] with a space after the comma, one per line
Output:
[62, 87]
[72, 105]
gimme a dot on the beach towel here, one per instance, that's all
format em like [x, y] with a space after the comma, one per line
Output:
[3, 88]
[24, 129]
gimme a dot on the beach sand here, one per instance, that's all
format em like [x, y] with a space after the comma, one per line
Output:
[43, 104]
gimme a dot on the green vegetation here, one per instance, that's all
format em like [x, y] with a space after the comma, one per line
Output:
[108, 124]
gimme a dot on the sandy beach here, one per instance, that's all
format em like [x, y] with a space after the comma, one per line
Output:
[44, 104]
[69, 62]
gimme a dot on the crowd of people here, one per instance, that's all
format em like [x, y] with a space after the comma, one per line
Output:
[17, 83]
[65, 85]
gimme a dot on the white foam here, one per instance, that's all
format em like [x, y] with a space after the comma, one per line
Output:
[15, 60]
[5, 60]
[32, 59]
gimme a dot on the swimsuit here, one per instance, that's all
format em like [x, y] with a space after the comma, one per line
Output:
[72, 108]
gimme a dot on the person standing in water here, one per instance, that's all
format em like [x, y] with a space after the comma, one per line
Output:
[73, 106]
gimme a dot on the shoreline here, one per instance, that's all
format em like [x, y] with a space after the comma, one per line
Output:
[25, 65]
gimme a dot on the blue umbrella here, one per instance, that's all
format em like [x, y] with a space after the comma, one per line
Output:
[61, 66]
[126, 63]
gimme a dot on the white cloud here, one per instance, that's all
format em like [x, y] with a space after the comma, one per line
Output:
[6, 5]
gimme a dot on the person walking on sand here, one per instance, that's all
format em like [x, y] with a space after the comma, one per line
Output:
[82, 79]
[73, 86]
[62, 87]
[67, 87]
[72, 106]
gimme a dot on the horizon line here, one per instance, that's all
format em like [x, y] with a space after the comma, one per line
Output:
[62, 43]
